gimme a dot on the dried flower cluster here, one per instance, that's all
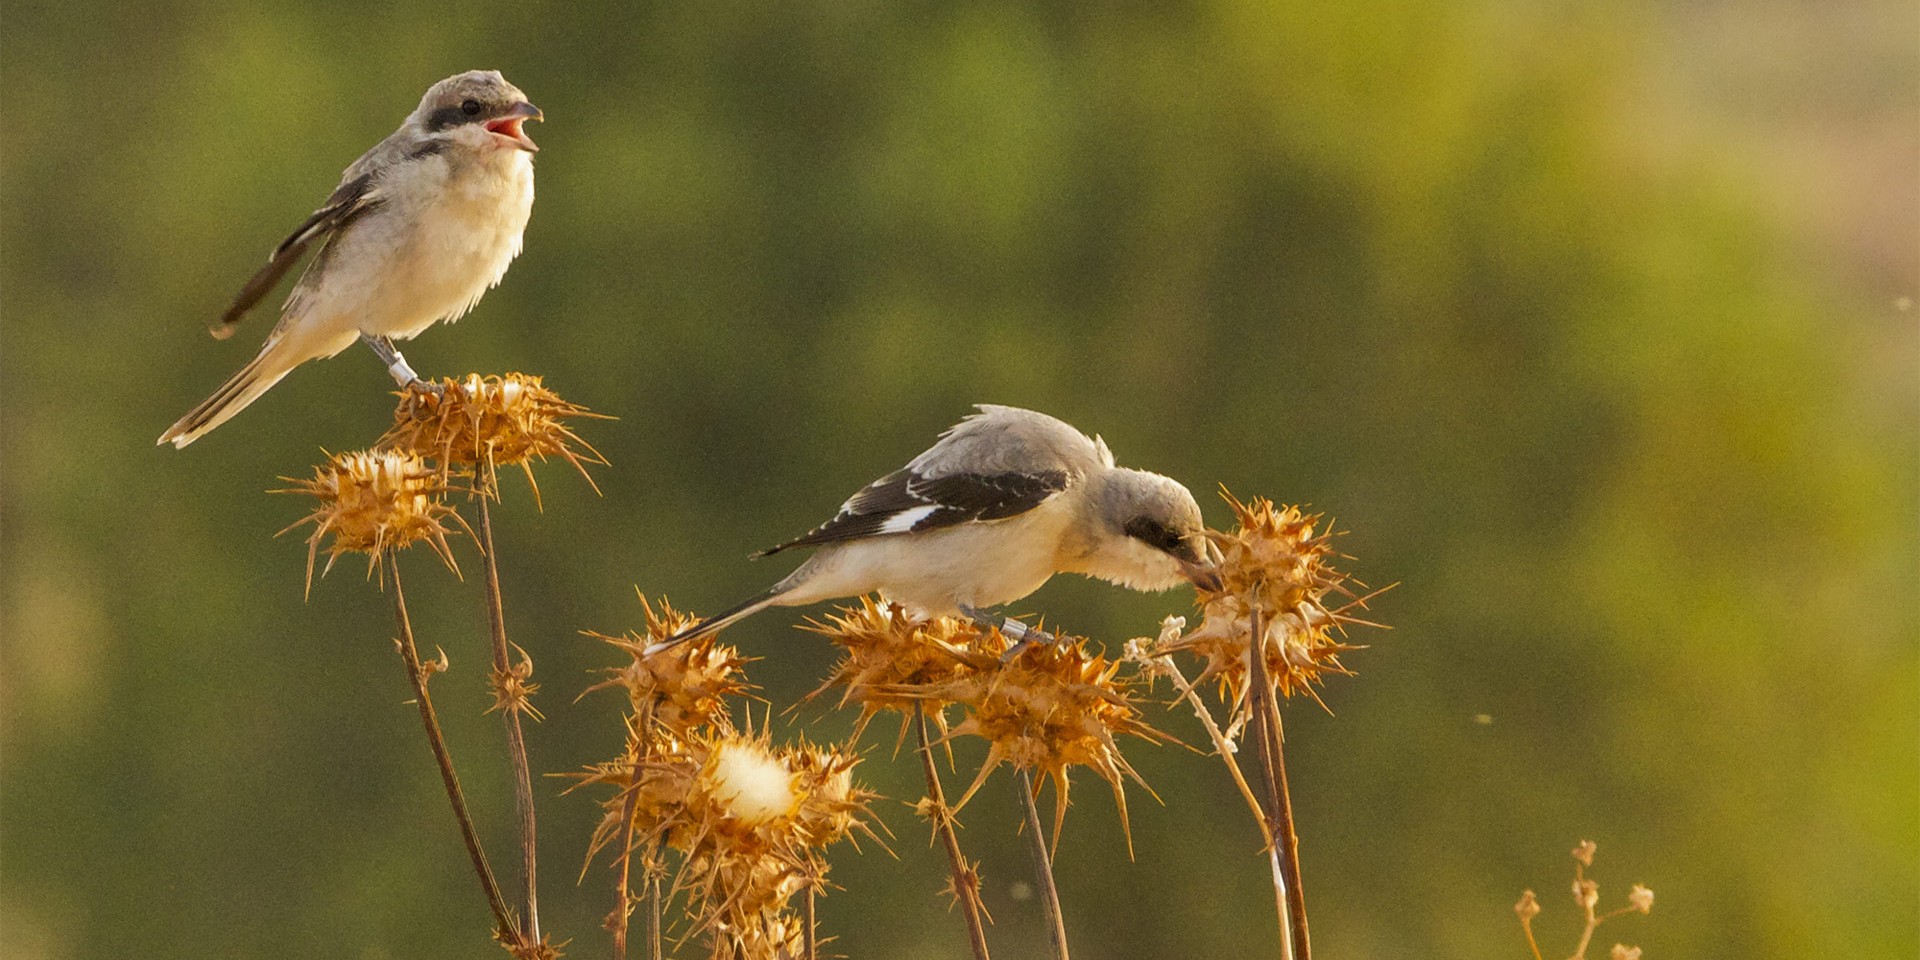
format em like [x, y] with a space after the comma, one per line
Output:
[886, 656]
[748, 819]
[490, 422]
[1049, 708]
[1586, 893]
[1277, 560]
[370, 502]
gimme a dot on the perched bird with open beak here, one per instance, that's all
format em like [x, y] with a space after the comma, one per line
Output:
[420, 227]
[1003, 501]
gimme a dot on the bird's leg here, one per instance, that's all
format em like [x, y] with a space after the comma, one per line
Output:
[1022, 635]
[396, 364]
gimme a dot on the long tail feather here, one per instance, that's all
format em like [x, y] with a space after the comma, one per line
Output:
[718, 621]
[233, 396]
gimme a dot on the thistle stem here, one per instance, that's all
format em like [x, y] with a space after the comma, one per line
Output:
[966, 882]
[1285, 846]
[1042, 865]
[812, 945]
[507, 930]
[617, 922]
[516, 738]
[1221, 745]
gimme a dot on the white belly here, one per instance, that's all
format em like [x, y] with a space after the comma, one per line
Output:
[440, 240]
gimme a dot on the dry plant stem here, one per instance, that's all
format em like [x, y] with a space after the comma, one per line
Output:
[812, 944]
[1042, 865]
[516, 739]
[1220, 746]
[653, 915]
[508, 931]
[621, 907]
[1586, 935]
[1526, 924]
[1268, 739]
[966, 884]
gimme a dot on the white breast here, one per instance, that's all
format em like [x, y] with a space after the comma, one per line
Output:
[443, 235]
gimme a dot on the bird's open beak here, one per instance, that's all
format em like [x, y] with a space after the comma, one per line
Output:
[509, 125]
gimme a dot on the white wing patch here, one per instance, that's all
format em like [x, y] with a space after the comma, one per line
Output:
[903, 521]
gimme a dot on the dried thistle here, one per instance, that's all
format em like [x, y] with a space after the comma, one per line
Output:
[1050, 708]
[751, 824]
[886, 656]
[489, 422]
[682, 688]
[1276, 559]
[372, 501]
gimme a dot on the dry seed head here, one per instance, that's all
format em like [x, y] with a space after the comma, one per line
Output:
[1640, 898]
[751, 827]
[490, 422]
[1277, 559]
[1585, 851]
[885, 653]
[1586, 893]
[372, 501]
[1528, 907]
[1053, 707]
[682, 688]
[1621, 951]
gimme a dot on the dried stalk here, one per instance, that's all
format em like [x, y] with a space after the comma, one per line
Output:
[1284, 850]
[1042, 865]
[966, 882]
[622, 904]
[516, 739]
[505, 928]
[812, 944]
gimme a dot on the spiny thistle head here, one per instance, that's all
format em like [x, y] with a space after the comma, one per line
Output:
[372, 501]
[490, 422]
[1275, 559]
[682, 688]
[1052, 707]
[886, 653]
[751, 823]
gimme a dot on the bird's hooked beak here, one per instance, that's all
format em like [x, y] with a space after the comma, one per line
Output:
[1203, 568]
[509, 125]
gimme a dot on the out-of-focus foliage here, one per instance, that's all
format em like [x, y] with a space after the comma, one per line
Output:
[1532, 298]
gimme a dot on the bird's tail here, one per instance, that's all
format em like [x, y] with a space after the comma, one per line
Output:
[275, 360]
[718, 622]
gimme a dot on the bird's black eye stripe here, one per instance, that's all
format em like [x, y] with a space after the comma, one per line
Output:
[470, 107]
[1153, 533]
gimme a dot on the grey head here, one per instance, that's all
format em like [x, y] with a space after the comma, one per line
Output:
[479, 103]
[1156, 536]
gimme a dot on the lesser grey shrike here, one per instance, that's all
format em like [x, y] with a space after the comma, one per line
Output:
[1005, 499]
[420, 227]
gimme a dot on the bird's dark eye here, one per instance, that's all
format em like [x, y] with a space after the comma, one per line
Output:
[1153, 533]
[470, 108]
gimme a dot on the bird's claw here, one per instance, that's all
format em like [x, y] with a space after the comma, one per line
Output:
[1022, 635]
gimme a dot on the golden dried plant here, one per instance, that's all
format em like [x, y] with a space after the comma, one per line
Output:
[751, 822]
[1048, 708]
[372, 501]
[1277, 559]
[886, 656]
[682, 688]
[489, 422]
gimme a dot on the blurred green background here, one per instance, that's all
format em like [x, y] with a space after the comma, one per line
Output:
[1591, 323]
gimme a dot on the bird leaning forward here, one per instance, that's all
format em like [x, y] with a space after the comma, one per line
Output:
[420, 227]
[1003, 501]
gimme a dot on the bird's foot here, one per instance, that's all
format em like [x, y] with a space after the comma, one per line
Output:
[397, 366]
[1022, 635]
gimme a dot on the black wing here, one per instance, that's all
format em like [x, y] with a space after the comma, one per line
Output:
[353, 198]
[904, 501]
